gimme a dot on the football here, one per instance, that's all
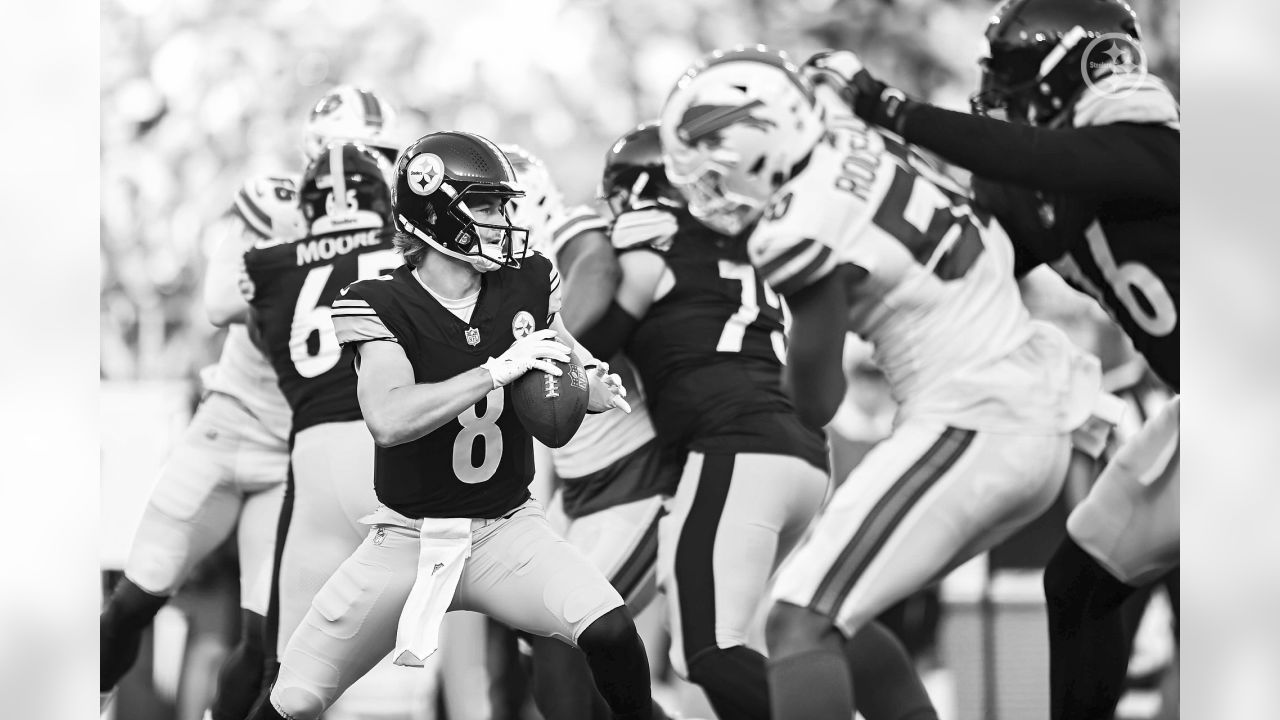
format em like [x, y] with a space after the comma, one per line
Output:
[551, 408]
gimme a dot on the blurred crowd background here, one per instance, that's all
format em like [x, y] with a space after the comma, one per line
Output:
[197, 96]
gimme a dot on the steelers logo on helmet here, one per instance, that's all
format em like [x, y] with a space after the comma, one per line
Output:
[425, 173]
[1114, 64]
[522, 324]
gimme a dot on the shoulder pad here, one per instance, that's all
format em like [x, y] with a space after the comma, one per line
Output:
[574, 222]
[268, 205]
[354, 319]
[1120, 98]
[652, 228]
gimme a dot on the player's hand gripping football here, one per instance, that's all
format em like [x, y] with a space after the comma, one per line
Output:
[534, 350]
[607, 391]
[870, 99]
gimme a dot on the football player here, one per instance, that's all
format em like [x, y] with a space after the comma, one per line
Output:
[860, 233]
[614, 479]
[708, 339]
[345, 202]
[226, 473]
[229, 468]
[1083, 172]
[435, 343]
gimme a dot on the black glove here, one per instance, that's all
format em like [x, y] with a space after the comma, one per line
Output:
[870, 99]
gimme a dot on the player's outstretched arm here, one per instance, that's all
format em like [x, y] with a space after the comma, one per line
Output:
[1137, 157]
[396, 409]
[224, 295]
[591, 276]
[1118, 159]
[814, 374]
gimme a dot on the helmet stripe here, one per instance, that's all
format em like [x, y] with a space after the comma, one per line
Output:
[372, 107]
[1069, 40]
[338, 174]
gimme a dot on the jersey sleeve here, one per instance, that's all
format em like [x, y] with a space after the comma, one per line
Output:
[1124, 158]
[269, 207]
[790, 245]
[577, 221]
[553, 297]
[355, 320]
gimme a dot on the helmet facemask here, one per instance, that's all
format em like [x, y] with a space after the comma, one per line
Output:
[458, 233]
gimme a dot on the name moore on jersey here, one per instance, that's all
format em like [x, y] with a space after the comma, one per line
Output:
[294, 285]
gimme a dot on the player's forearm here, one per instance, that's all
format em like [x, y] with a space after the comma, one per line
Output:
[814, 390]
[404, 414]
[1074, 160]
[589, 288]
[224, 310]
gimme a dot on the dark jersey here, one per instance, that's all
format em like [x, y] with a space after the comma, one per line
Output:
[479, 464]
[710, 353]
[1098, 202]
[293, 285]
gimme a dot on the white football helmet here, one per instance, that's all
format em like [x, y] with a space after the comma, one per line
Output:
[542, 201]
[738, 125]
[347, 112]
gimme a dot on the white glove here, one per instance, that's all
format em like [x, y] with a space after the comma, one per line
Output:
[529, 352]
[837, 67]
[612, 384]
[652, 226]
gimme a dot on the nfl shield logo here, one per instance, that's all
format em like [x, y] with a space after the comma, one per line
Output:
[473, 336]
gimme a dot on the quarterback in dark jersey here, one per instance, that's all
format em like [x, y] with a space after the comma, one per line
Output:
[1084, 177]
[436, 342]
[708, 338]
[345, 202]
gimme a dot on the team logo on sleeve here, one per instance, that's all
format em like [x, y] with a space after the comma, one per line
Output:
[521, 324]
[426, 172]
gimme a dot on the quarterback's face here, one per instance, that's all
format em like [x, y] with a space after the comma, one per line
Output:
[488, 210]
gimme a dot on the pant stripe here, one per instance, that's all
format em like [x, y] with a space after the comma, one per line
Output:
[695, 555]
[884, 518]
[272, 623]
[639, 563]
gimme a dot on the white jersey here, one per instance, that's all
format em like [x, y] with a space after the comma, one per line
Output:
[266, 208]
[244, 373]
[939, 302]
[604, 438]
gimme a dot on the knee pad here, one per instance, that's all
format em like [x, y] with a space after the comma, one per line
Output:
[296, 703]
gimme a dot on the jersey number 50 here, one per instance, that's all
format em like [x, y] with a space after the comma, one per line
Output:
[934, 225]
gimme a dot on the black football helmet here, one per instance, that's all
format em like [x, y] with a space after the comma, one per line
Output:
[1036, 67]
[435, 179]
[634, 176]
[346, 187]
